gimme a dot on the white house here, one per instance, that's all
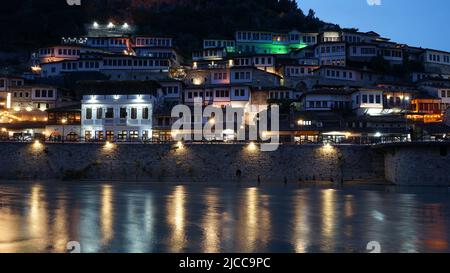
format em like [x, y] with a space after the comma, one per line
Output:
[120, 111]
[331, 53]
[326, 100]
[366, 101]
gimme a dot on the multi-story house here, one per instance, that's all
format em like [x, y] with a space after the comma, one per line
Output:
[368, 101]
[6, 84]
[436, 61]
[64, 123]
[439, 88]
[119, 111]
[264, 42]
[327, 100]
[331, 53]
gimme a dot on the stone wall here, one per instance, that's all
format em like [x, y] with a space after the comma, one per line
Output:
[418, 164]
[190, 163]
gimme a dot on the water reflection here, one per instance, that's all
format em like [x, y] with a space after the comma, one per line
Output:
[37, 218]
[60, 232]
[211, 232]
[43, 217]
[9, 223]
[328, 219]
[301, 227]
[107, 214]
[255, 222]
[176, 213]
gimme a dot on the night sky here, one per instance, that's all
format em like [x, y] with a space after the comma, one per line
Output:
[414, 22]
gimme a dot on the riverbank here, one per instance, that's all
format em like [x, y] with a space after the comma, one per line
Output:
[409, 164]
[189, 163]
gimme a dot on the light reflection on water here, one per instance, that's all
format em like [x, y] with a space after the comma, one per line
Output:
[124, 217]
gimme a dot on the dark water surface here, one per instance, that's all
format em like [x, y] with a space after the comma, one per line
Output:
[129, 217]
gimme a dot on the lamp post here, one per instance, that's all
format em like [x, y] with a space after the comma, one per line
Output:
[63, 121]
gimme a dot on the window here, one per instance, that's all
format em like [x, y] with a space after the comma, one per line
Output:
[37, 93]
[364, 98]
[99, 113]
[123, 112]
[122, 135]
[99, 135]
[133, 113]
[44, 93]
[50, 93]
[134, 135]
[145, 113]
[378, 99]
[110, 135]
[109, 113]
[88, 113]
[88, 135]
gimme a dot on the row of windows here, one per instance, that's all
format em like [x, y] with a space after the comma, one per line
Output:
[13, 83]
[331, 49]
[111, 41]
[69, 52]
[295, 71]
[331, 39]
[242, 75]
[318, 104]
[109, 113]
[211, 43]
[120, 62]
[76, 65]
[337, 74]
[371, 99]
[220, 76]
[170, 89]
[279, 95]
[365, 50]
[121, 135]
[125, 62]
[257, 36]
[208, 94]
[304, 39]
[46, 51]
[352, 39]
[445, 93]
[153, 42]
[43, 93]
[333, 62]
[162, 55]
[38, 93]
[391, 53]
[437, 58]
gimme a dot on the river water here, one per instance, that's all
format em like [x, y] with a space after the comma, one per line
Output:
[149, 218]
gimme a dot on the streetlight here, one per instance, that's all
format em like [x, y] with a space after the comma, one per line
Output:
[63, 121]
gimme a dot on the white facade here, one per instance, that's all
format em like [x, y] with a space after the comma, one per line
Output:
[326, 101]
[436, 57]
[122, 63]
[117, 117]
[368, 102]
[331, 54]
[217, 43]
